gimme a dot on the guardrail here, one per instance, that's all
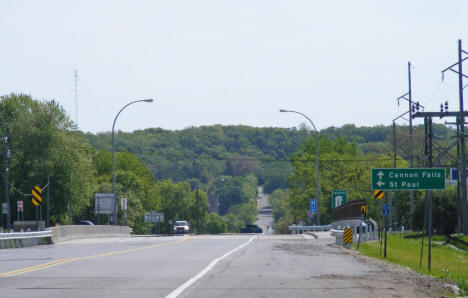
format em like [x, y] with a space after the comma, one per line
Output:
[336, 233]
[301, 229]
[16, 240]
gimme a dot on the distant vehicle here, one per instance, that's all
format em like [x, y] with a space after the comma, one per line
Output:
[251, 229]
[86, 223]
[181, 227]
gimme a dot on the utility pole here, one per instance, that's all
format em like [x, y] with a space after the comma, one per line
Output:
[48, 200]
[429, 135]
[197, 212]
[395, 165]
[410, 108]
[182, 201]
[461, 133]
[441, 114]
[395, 209]
[459, 194]
[410, 138]
[462, 138]
[5, 178]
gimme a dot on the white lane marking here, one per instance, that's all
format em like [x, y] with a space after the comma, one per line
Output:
[210, 266]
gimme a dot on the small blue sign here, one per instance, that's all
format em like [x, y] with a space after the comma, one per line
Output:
[454, 174]
[386, 209]
[313, 206]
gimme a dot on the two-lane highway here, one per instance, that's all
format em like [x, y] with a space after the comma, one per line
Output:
[134, 267]
[197, 266]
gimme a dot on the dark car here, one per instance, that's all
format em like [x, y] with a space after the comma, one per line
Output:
[251, 229]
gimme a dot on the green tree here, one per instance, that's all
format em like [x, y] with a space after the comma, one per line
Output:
[43, 142]
[279, 204]
[215, 224]
[233, 223]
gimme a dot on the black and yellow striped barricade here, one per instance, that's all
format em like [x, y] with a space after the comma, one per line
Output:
[348, 237]
[36, 196]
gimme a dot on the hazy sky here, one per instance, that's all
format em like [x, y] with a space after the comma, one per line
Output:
[232, 62]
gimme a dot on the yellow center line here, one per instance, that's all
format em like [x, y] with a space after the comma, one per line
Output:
[68, 260]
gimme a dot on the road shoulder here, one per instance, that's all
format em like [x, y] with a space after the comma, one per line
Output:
[427, 285]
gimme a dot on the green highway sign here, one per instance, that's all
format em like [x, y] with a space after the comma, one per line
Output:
[339, 197]
[408, 179]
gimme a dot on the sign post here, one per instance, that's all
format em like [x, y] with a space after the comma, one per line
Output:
[339, 197]
[386, 213]
[363, 213]
[103, 204]
[4, 211]
[20, 206]
[154, 217]
[313, 206]
[410, 179]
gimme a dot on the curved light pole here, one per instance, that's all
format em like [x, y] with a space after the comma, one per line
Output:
[317, 162]
[113, 156]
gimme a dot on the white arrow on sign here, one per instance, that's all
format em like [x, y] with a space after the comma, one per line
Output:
[338, 200]
[380, 183]
[380, 174]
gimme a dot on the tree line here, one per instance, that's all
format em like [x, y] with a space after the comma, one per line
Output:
[164, 170]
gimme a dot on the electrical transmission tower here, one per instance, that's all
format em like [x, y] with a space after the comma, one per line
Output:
[460, 121]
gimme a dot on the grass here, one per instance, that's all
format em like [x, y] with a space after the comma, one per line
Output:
[446, 263]
[458, 241]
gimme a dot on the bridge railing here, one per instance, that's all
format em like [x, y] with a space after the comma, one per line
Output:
[22, 239]
[302, 229]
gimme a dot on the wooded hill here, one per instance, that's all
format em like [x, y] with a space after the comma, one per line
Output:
[200, 154]
[283, 161]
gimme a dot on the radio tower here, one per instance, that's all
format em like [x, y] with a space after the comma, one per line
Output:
[75, 77]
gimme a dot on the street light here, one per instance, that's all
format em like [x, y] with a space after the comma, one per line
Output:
[317, 162]
[6, 155]
[113, 155]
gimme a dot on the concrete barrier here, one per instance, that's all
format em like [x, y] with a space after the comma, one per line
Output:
[367, 229]
[374, 231]
[338, 234]
[301, 229]
[70, 232]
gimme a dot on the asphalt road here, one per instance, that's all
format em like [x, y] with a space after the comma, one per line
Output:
[264, 218]
[198, 266]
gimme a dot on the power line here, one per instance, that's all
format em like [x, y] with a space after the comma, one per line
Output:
[15, 189]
